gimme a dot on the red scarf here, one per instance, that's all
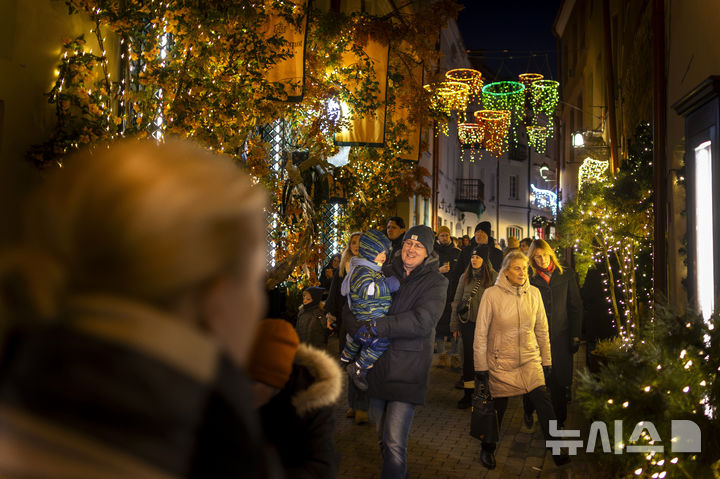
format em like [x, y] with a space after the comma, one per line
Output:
[546, 273]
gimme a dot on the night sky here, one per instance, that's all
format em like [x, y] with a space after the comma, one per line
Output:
[511, 36]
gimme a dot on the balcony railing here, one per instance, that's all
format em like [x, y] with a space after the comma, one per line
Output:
[469, 190]
[470, 195]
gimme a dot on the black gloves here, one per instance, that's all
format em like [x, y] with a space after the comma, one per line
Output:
[482, 377]
[574, 345]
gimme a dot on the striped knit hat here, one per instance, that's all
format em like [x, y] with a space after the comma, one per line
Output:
[372, 243]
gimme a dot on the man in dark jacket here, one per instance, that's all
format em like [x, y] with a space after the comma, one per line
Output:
[448, 254]
[399, 380]
[395, 231]
[482, 238]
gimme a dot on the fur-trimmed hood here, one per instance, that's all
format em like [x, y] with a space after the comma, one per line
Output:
[327, 380]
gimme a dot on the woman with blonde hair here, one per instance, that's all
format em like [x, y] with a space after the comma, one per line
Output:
[131, 307]
[563, 306]
[358, 401]
[512, 346]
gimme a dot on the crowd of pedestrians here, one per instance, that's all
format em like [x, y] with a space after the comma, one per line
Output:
[133, 343]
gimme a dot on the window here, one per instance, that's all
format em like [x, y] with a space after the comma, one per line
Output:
[704, 229]
[515, 231]
[513, 187]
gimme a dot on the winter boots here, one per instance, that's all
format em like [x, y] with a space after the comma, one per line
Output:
[466, 401]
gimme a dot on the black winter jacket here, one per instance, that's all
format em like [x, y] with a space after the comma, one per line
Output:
[401, 373]
[299, 422]
[564, 310]
[312, 326]
[448, 254]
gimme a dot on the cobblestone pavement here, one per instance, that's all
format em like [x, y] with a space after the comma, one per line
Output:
[440, 445]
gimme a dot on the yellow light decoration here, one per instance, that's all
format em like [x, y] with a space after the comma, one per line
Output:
[447, 97]
[527, 79]
[537, 137]
[591, 171]
[472, 78]
[471, 136]
[495, 124]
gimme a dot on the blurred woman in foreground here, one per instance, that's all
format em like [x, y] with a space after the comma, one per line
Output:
[131, 306]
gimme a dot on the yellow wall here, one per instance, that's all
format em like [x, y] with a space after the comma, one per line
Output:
[31, 35]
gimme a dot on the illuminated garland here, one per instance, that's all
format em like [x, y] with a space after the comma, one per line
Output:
[591, 171]
[470, 77]
[447, 97]
[495, 123]
[472, 137]
[546, 95]
[506, 95]
[545, 199]
[537, 137]
[527, 79]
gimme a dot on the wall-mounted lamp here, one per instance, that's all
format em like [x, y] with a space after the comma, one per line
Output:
[577, 140]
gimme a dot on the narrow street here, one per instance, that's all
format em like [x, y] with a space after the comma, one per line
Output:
[440, 445]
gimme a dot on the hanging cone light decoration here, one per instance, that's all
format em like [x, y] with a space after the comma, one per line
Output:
[472, 137]
[447, 97]
[537, 137]
[472, 78]
[546, 95]
[509, 96]
[495, 124]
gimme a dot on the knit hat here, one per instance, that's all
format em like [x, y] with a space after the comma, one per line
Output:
[372, 243]
[422, 234]
[273, 352]
[315, 293]
[444, 229]
[485, 226]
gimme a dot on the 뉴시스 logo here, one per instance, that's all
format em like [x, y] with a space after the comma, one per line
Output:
[685, 437]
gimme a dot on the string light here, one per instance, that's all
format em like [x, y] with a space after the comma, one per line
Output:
[471, 136]
[591, 170]
[447, 97]
[508, 96]
[472, 78]
[537, 137]
[495, 125]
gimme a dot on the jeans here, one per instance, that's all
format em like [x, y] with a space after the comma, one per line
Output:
[392, 420]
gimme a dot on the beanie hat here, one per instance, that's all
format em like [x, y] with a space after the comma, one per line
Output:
[372, 243]
[316, 293]
[273, 352]
[422, 234]
[444, 229]
[485, 226]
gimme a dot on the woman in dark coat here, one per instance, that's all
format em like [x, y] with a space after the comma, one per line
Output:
[328, 271]
[563, 307]
[478, 276]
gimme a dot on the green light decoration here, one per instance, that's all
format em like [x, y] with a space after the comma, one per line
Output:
[508, 96]
[472, 137]
[537, 137]
[495, 124]
[472, 78]
[546, 95]
[446, 97]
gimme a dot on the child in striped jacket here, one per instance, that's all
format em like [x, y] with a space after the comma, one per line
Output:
[368, 292]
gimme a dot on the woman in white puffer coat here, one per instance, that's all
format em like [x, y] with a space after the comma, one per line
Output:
[512, 346]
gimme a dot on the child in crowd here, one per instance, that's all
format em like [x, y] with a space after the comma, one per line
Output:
[311, 323]
[368, 292]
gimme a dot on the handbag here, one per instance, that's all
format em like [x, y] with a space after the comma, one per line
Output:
[465, 305]
[484, 421]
